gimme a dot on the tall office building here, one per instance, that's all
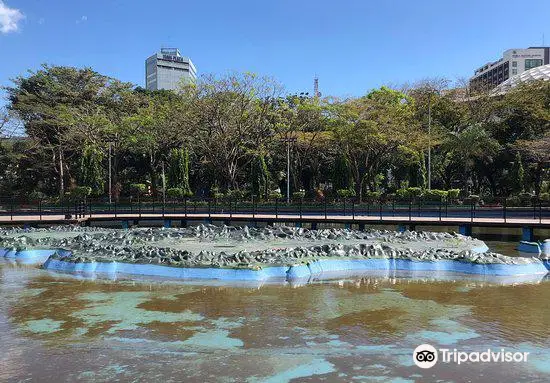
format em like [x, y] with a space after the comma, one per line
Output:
[168, 69]
[512, 63]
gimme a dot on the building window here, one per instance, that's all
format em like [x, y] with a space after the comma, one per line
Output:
[532, 63]
[514, 64]
[514, 71]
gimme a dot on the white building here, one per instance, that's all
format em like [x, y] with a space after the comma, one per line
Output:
[512, 63]
[168, 69]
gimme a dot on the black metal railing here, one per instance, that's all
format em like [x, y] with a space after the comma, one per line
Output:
[330, 209]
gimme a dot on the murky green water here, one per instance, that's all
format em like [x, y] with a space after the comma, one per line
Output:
[60, 328]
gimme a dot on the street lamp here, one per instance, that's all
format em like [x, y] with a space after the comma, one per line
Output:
[110, 186]
[430, 141]
[288, 140]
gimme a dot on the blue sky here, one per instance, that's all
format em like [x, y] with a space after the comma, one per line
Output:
[353, 46]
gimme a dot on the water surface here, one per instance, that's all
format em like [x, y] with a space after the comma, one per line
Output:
[56, 327]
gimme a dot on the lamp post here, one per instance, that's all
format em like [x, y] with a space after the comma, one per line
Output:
[288, 140]
[110, 185]
[430, 141]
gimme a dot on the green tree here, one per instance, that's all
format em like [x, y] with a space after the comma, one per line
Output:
[91, 170]
[178, 170]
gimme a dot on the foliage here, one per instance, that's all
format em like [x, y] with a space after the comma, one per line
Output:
[91, 170]
[138, 189]
[298, 195]
[453, 194]
[80, 192]
[236, 132]
[178, 170]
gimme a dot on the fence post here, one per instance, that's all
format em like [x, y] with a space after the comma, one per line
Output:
[325, 203]
[353, 209]
[504, 209]
[410, 209]
[472, 207]
[534, 209]
[116, 207]
[440, 203]
[276, 207]
[209, 208]
[185, 206]
[380, 208]
[540, 211]
[12, 207]
[446, 207]
[253, 206]
[344, 206]
[301, 201]
[230, 208]
[40, 208]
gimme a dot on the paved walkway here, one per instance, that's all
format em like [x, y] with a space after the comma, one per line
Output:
[319, 218]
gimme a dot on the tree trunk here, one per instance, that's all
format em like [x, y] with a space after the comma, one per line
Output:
[61, 175]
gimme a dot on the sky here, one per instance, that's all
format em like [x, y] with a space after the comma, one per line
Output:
[352, 46]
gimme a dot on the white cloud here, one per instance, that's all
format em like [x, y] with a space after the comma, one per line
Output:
[83, 19]
[41, 21]
[9, 17]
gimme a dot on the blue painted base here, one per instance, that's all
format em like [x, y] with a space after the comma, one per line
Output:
[465, 230]
[300, 271]
[545, 247]
[527, 234]
[529, 247]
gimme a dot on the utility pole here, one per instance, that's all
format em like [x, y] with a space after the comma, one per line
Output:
[163, 185]
[288, 140]
[110, 186]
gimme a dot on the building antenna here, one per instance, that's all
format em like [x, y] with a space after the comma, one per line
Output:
[316, 93]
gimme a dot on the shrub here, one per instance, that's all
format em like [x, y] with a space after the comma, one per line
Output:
[453, 194]
[299, 194]
[175, 192]
[525, 197]
[80, 192]
[275, 195]
[402, 193]
[138, 189]
[472, 199]
[435, 194]
[544, 197]
[372, 195]
[235, 195]
[345, 193]
[513, 201]
[414, 192]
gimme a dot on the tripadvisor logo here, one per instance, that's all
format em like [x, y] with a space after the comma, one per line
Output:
[426, 356]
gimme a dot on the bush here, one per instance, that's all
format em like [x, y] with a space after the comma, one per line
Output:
[525, 197]
[138, 189]
[435, 195]
[235, 195]
[402, 193]
[80, 192]
[414, 192]
[453, 194]
[513, 201]
[472, 199]
[275, 195]
[544, 197]
[175, 193]
[345, 193]
[372, 195]
[299, 194]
